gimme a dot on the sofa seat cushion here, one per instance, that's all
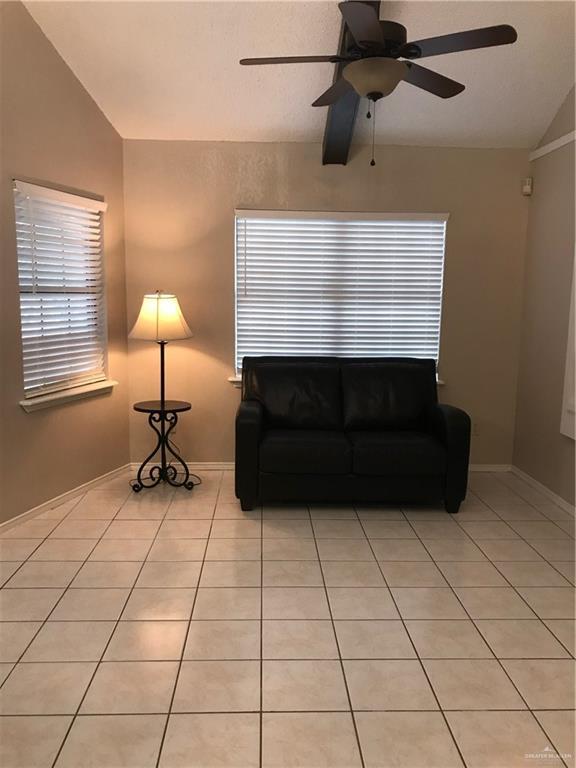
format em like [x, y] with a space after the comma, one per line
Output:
[396, 453]
[305, 452]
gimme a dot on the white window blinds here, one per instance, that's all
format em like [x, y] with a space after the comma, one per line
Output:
[338, 284]
[59, 245]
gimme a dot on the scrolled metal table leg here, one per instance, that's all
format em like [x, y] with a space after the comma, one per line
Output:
[171, 471]
[165, 471]
[155, 473]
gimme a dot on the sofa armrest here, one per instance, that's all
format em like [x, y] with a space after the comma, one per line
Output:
[452, 427]
[249, 424]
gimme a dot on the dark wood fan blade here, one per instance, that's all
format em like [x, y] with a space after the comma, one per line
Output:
[340, 88]
[362, 21]
[292, 60]
[461, 41]
[432, 82]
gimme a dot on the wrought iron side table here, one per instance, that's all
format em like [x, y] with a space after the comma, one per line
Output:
[163, 417]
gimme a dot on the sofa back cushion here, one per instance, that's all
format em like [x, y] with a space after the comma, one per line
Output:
[295, 392]
[387, 393]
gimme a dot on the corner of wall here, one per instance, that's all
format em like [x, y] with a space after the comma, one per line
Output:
[540, 450]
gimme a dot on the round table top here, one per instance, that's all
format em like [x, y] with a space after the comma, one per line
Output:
[170, 406]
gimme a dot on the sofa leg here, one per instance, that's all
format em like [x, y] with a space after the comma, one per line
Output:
[452, 506]
[246, 505]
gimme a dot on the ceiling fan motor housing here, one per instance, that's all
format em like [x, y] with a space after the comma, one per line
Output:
[393, 32]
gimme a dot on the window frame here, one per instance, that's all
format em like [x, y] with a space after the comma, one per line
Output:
[66, 389]
[353, 216]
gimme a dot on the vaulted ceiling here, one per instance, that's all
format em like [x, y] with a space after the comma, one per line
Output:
[169, 70]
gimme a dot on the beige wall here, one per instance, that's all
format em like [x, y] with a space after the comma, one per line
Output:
[539, 448]
[53, 133]
[180, 200]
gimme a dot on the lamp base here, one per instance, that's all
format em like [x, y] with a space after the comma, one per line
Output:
[171, 467]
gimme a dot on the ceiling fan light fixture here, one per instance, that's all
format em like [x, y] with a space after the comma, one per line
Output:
[376, 76]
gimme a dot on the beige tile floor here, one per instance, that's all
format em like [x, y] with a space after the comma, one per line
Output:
[171, 629]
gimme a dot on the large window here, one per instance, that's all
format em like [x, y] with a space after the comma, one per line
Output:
[338, 284]
[59, 244]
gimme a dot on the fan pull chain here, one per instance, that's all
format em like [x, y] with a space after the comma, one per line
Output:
[368, 114]
[373, 162]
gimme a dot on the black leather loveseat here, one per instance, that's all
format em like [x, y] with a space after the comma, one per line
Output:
[328, 429]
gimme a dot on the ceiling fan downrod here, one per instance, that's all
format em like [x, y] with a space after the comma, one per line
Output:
[372, 161]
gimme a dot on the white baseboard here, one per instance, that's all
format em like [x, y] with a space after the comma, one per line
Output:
[558, 500]
[57, 500]
[489, 467]
[228, 466]
[197, 466]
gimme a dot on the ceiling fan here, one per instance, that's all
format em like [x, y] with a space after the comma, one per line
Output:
[372, 61]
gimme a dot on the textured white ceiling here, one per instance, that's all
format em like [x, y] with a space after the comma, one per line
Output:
[169, 70]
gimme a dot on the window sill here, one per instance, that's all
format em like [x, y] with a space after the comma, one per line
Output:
[236, 381]
[67, 396]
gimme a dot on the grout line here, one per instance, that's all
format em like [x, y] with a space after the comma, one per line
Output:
[181, 661]
[516, 590]
[261, 718]
[280, 711]
[559, 751]
[496, 658]
[519, 484]
[294, 618]
[64, 589]
[116, 623]
[302, 658]
[281, 586]
[342, 669]
[425, 673]
[41, 541]
[517, 491]
[571, 654]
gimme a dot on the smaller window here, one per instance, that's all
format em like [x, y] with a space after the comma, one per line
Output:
[60, 272]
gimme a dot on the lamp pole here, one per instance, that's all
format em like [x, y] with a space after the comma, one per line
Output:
[162, 407]
[162, 377]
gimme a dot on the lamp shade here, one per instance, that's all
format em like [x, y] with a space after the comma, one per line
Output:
[376, 76]
[160, 319]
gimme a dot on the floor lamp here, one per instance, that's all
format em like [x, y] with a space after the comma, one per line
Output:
[161, 320]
